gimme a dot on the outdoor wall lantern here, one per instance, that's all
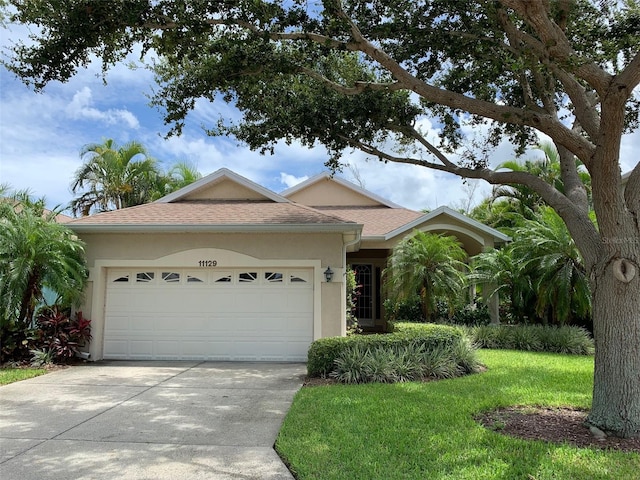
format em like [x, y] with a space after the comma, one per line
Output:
[328, 274]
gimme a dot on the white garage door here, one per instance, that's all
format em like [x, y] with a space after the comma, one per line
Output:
[187, 314]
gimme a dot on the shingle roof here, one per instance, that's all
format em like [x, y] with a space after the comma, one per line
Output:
[212, 213]
[62, 218]
[376, 220]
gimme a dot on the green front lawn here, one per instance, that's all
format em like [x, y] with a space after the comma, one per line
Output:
[427, 430]
[10, 375]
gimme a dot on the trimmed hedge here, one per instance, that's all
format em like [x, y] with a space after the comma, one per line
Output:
[534, 338]
[323, 352]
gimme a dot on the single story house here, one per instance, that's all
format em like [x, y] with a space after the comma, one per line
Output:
[225, 269]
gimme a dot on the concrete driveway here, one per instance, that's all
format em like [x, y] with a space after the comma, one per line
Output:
[147, 420]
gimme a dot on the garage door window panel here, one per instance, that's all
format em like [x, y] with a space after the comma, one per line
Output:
[171, 277]
[119, 278]
[145, 277]
[299, 277]
[247, 277]
[194, 278]
[274, 277]
[222, 277]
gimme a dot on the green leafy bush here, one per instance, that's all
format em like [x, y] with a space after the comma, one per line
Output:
[435, 331]
[352, 302]
[323, 353]
[15, 342]
[526, 337]
[380, 365]
[567, 339]
[359, 365]
[408, 310]
[487, 336]
[536, 338]
[41, 358]
[438, 363]
[460, 314]
[61, 335]
[465, 356]
[471, 315]
[403, 363]
[351, 365]
[407, 365]
[389, 357]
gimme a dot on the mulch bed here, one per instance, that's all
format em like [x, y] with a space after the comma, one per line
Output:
[50, 367]
[557, 425]
[318, 382]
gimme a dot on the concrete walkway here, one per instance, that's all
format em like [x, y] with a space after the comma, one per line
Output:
[147, 420]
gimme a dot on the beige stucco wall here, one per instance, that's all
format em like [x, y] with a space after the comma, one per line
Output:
[333, 295]
[324, 246]
[224, 190]
[326, 192]
[308, 250]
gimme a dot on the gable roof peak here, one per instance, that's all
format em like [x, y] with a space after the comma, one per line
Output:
[340, 181]
[216, 177]
[444, 210]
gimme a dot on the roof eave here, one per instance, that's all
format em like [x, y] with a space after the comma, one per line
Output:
[498, 236]
[374, 238]
[237, 228]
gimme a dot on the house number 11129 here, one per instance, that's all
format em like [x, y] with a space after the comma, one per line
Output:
[208, 263]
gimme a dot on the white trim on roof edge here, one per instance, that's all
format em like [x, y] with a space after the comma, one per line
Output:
[497, 235]
[214, 177]
[344, 183]
[226, 228]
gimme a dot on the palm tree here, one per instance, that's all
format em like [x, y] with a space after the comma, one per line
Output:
[113, 177]
[429, 265]
[183, 174]
[548, 169]
[179, 175]
[501, 272]
[36, 252]
[503, 215]
[553, 262]
[525, 199]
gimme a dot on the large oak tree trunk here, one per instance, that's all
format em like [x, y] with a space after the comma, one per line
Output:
[616, 323]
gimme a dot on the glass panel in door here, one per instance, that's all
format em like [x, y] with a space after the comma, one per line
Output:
[364, 303]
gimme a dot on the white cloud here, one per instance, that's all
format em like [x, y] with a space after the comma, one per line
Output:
[410, 186]
[290, 180]
[81, 107]
[50, 176]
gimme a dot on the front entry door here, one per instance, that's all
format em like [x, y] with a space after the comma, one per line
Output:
[364, 305]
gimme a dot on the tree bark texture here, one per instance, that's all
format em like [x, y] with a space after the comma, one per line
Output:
[616, 323]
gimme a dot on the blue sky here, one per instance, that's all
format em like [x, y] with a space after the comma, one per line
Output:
[41, 136]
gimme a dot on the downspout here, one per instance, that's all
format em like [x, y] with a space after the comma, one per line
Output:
[348, 244]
